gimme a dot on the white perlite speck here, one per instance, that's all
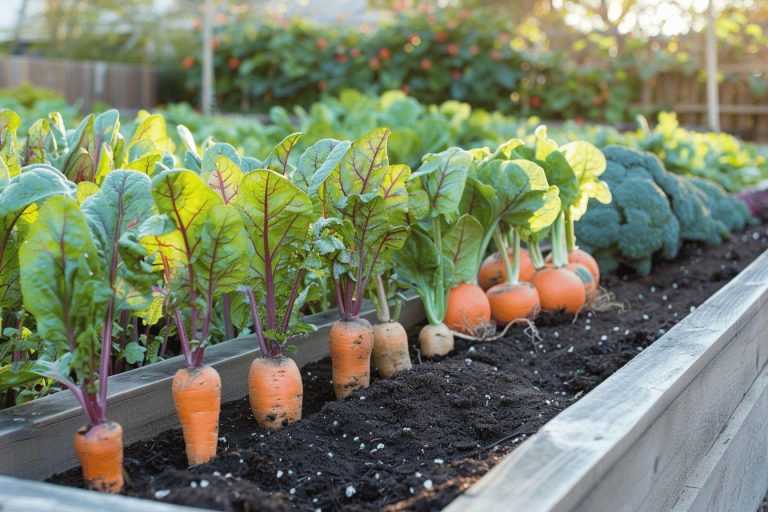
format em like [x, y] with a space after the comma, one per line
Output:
[162, 493]
[350, 491]
[427, 484]
[279, 473]
[204, 483]
[439, 461]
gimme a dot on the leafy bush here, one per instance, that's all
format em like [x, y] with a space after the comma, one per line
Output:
[653, 212]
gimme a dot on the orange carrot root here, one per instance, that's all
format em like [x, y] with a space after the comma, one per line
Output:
[275, 391]
[584, 258]
[197, 395]
[435, 340]
[390, 348]
[100, 451]
[493, 271]
[559, 290]
[590, 286]
[351, 346]
[513, 302]
[468, 308]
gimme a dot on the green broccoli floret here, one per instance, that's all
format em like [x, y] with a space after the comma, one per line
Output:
[731, 212]
[638, 223]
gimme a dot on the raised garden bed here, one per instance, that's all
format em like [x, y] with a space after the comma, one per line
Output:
[415, 441]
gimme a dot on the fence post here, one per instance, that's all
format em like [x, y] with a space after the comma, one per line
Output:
[207, 89]
[713, 106]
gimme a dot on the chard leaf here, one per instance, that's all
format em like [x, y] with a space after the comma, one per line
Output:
[223, 247]
[86, 189]
[18, 199]
[277, 160]
[437, 186]
[277, 215]
[225, 178]
[361, 170]
[121, 206]
[63, 281]
[317, 163]
[211, 156]
[588, 164]
[9, 124]
[151, 135]
[460, 245]
[36, 137]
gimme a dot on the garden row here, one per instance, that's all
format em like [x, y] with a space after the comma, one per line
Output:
[418, 129]
[115, 251]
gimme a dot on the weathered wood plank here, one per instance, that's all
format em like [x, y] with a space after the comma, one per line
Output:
[734, 473]
[36, 438]
[634, 441]
[24, 496]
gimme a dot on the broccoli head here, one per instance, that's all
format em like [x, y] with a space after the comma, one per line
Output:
[637, 224]
[653, 212]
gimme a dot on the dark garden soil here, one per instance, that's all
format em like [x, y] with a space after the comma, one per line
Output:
[417, 440]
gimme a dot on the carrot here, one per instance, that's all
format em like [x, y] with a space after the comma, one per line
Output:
[197, 395]
[467, 309]
[583, 258]
[351, 346]
[275, 391]
[390, 348]
[512, 300]
[100, 451]
[390, 341]
[559, 290]
[435, 340]
[493, 271]
[590, 286]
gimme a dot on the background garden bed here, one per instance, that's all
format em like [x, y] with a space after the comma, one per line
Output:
[440, 426]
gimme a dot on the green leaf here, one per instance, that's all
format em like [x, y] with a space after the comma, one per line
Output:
[63, 281]
[121, 206]
[225, 178]
[588, 164]
[277, 160]
[277, 215]
[439, 184]
[209, 163]
[219, 261]
[461, 245]
[36, 137]
[361, 170]
[133, 352]
[317, 163]
[9, 124]
[150, 136]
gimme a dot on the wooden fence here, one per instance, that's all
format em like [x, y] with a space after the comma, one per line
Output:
[123, 86]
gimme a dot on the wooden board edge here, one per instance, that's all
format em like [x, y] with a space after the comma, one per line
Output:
[18, 495]
[534, 456]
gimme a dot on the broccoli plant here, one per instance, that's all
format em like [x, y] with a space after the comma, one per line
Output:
[653, 212]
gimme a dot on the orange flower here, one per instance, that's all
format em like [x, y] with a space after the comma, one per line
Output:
[496, 55]
[197, 25]
[535, 102]
[426, 64]
[452, 49]
[321, 43]
[233, 63]
[473, 50]
[504, 37]
[384, 53]
[464, 14]
[441, 37]
[453, 24]
[405, 88]
[374, 63]
[355, 52]
[341, 58]
[321, 85]
[187, 62]
[215, 43]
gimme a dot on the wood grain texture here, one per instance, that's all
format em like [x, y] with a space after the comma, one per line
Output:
[36, 438]
[634, 441]
[734, 473]
[24, 496]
